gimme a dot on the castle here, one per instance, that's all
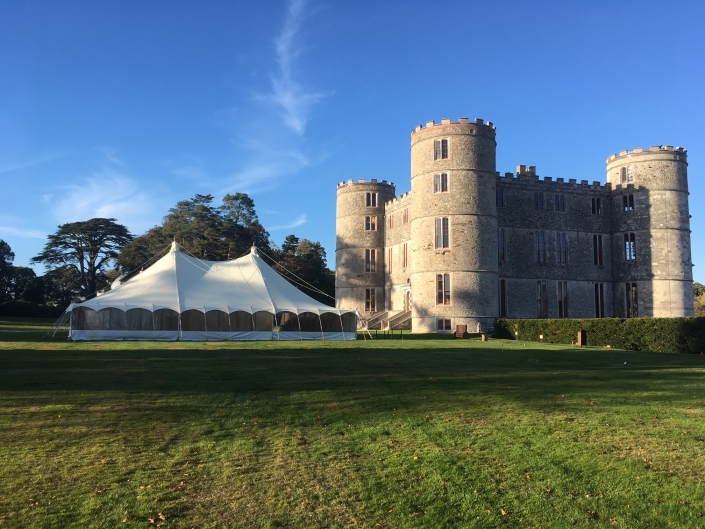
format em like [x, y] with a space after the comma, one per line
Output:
[467, 245]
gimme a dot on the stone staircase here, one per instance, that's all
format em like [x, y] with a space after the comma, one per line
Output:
[400, 320]
[375, 322]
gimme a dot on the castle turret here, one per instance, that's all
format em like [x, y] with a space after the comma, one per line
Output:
[453, 225]
[359, 249]
[651, 232]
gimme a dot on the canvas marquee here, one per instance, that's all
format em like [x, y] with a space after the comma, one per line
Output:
[184, 298]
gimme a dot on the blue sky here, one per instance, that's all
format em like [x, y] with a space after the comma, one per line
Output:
[120, 109]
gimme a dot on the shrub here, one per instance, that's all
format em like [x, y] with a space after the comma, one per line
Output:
[668, 335]
[26, 309]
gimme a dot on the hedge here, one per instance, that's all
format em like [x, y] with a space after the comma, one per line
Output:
[667, 335]
[26, 309]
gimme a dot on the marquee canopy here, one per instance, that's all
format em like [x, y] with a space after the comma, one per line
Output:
[184, 298]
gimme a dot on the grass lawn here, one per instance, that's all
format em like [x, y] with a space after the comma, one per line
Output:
[383, 433]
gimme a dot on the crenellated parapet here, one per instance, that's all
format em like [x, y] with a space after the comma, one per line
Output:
[656, 149]
[373, 181]
[447, 127]
[558, 183]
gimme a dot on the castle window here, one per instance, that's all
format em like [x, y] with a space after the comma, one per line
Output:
[502, 299]
[440, 183]
[599, 300]
[541, 299]
[559, 203]
[371, 200]
[561, 248]
[442, 233]
[597, 258]
[442, 289]
[440, 149]
[631, 300]
[629, 247]
[404, 255]
[628, 202]
[627, 174]
[562, 299]
[540, 246]
[370, 223]
[405, 216]
[389, 259]
[596, 206]
[370, 260]
[443, 325]
[370, 301]
[501, 244]
[391, 221]
[538, 200]
[500, 198]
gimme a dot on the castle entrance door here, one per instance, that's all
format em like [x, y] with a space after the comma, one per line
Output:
[406, 301]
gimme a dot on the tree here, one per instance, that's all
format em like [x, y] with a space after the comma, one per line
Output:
[307, 260]
[6, 258]
[20, 277]
[86, 248]
[698, 289]
[208, 232]
[61, 286]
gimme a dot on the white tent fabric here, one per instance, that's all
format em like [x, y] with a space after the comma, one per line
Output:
[184, 298]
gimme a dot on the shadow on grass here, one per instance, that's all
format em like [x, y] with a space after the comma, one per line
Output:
[407, 370]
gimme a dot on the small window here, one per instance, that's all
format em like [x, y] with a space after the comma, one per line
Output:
[501, 244]
[596, 206]
[389, 260]
[628, 202]
[391, 221]
[540, 246]
[370, 223]
[559, 203]
[442, 233]
[370, 260]
[442, 289]
[541, 299]
[440, 149]
[627, 174]
[405, 216]
[562, 293]
[371, 200]
[599, 300]
[370, 301]
[629, 247]
[443, 325]
[538, 201]
[500, 198]
[404, 256]
[502, 298]
[561, 248]
[631, 300]
[440, 183]
[597, 258]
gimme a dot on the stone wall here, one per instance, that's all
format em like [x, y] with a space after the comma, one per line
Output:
[659, 220]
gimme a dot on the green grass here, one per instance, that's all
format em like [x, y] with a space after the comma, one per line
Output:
[383, 433]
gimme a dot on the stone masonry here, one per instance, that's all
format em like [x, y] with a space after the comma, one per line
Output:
[467, 245]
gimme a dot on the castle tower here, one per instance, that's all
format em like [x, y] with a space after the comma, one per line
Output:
[454, 266]
[359, 248]
[651, 232]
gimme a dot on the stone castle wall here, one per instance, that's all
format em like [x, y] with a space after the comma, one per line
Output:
[657, 189]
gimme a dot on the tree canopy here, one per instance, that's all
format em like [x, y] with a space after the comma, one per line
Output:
[85, 249]
[228, 231]
[209, 232]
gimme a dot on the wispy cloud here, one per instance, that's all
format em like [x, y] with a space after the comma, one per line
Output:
[287, 93]
[107, 194]
[298, 222]
[19, 232]
[29, 163]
